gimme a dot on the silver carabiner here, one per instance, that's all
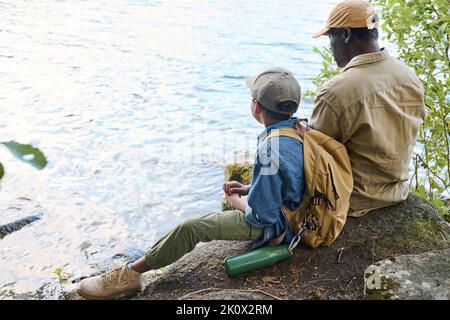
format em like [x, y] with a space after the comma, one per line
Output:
[296, 240]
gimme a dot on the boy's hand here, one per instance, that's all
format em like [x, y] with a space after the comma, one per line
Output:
[235, 187]
[235, 201]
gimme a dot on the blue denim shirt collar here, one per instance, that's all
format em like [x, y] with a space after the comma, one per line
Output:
[289, 123]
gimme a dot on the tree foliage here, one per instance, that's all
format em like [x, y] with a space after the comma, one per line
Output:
[421, 31]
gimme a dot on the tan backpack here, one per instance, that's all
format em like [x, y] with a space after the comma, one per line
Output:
[329, 183]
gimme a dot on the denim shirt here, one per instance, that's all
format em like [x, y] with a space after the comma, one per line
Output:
[278, 178]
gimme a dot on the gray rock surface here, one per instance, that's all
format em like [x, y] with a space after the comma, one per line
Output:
[16, 225]
[17, 214]
[423, 276]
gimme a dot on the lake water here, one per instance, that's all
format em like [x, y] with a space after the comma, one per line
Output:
[137, 105]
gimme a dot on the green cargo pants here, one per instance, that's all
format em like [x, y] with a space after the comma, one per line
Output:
[226, 225]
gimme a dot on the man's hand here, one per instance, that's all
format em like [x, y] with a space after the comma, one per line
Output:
[235, 201]
[235, 187]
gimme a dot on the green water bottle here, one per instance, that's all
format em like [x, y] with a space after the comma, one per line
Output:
[256, 259]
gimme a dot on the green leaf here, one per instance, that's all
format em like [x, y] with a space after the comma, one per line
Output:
[2, 171]
[27, 153]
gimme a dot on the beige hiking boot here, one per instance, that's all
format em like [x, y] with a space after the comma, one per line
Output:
[118, 281]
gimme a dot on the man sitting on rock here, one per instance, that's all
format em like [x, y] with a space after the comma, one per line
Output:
[374, 107]
[278, 179]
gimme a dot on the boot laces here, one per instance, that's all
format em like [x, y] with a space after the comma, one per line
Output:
[116, 273]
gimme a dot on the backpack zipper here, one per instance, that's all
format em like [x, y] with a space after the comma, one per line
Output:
[336, 195]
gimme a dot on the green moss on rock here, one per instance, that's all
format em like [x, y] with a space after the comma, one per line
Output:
[239, 172]
[417, 234]
[447, 217]
[385, 292]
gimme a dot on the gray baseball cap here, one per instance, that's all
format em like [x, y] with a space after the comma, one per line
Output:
[274, 86]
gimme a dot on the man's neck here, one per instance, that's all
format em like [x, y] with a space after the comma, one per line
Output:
[369, 47]
[269, 122]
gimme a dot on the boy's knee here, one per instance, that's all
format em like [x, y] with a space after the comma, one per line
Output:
[188, 225]
[204, 228]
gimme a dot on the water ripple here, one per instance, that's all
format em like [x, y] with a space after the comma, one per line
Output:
[137, 106]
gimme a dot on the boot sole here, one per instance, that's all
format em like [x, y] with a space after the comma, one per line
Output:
[125, 293]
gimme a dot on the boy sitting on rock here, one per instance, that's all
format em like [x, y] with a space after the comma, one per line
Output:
[278, 179]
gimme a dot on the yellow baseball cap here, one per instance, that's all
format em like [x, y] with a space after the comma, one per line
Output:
[350, 14]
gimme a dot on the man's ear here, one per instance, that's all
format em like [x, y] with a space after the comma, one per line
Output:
[257, 107]
[347, 35]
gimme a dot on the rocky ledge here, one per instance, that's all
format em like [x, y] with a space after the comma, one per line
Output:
[336, 272]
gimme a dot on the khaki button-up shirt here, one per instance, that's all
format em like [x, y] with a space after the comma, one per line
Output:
[375, 108]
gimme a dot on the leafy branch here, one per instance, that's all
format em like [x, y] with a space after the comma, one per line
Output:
[62, 279]
[26, 153]
[328, 70]
[421, 32]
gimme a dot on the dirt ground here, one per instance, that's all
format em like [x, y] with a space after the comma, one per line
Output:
[336, 272]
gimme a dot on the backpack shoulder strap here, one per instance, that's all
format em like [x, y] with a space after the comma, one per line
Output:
[285, 132]
[292, 133]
